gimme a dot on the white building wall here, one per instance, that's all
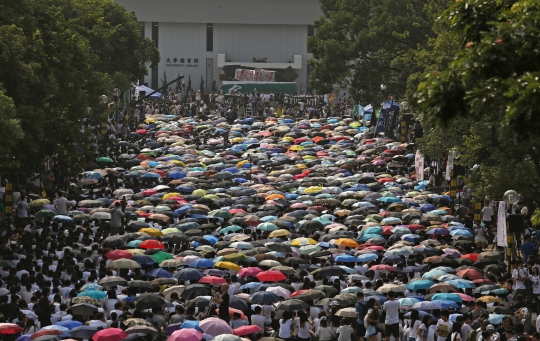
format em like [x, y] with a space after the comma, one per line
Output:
[240, 43]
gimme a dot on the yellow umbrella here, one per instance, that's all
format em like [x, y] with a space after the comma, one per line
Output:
[228, 265]
[168, 195]
[279, 233]
[287, 138]
[303, 241]
[135, 251]
[241, 163]
[301, 166]
[308, 157]
[296, 148]
[488, 299]
[176, 162]
[170, 230]
[313, 189]
[199, 192]
[150, 120]
[152, 232]
[211, 196]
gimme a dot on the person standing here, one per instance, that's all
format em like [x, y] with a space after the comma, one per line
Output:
[444, 326]
[391, 307]
[61, 204]
[487, 213]
[117, 217]
[223, 302]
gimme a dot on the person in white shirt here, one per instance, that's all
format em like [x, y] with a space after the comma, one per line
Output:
[487, 213]
[444, 326]
[391, 307]
[258, 319]
[98, 322]
[285, 324]
[61, 204]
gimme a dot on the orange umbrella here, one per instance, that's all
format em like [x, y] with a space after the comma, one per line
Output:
[471, 256]
[346, 242]
[232, 311]
[275, 196]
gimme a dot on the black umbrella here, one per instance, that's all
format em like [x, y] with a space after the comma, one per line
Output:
[84, 309]
[189, 274]
[293, 304]
[295, 261]
[149, 301]
[199, 302]
[238, 303]
[311, 226]
[311, 295]
[332, 271]
[83, 332]
[194, 290]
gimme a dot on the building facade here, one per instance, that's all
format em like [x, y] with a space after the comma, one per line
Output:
[209, 38]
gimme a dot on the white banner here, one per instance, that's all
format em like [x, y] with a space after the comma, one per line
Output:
[245, 75]
[449, 166]
[419, 165]
[502, 239]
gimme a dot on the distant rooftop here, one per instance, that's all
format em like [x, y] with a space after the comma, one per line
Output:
[264, 12]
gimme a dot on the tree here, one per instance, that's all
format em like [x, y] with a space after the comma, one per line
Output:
[56, 58]
[164, 82]
[496, 74]
[12, 133]
[188, 89]
[201, 84]
[359, 44]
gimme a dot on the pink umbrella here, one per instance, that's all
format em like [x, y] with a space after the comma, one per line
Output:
[452, 252]
[213, 280]
[186, 335]
[214, 326]
[149, 192]
[251, 271]
[117, 254]
[110, 334]
[246, 330]
[189, 259]
[465, 297]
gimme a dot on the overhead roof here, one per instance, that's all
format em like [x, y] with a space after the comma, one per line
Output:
[265, 12]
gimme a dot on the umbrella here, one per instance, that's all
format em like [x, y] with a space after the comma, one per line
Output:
[271, 276]
[246, 330]
[264, 297]
[149, 301]
[186, 335]
[110, 334]
[293, 304]
[83, 309]
[10, 328]
[215, 326]
[346, 312]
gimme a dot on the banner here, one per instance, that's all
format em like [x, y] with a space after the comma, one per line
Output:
[419, 166]
[381, 121]
[449, 166]
[229, 100]
[254, 75]
[502, 239]
[310, 101]
[229, 87]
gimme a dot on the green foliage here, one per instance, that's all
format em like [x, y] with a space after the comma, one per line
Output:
[359, 44]
[535, 218]
[495, 76]
[56, 58]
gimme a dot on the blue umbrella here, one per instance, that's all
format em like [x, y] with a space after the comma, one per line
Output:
[159, 273]
[94, 294]
[392, 259]
[143, 259]
[373, 230]
[461, 232]
[462, 284]
[202, 263]
[250, 285]
[413, 238]
[433, 273]
[420, 284]
[90, 287]
[447, 297]
[64, 330]
[367, 257]
[346, 259]
[446, 304]
[264, 297]
[211, 239]
[63, 219]
[69, 324]
[24, 337]
[176, 175]
[496, 318]
[407, 301]
[134, 243]
[189, 274]
[191, 324]
[233, 228]
[151, 176]
[365, 237]
[422, 314]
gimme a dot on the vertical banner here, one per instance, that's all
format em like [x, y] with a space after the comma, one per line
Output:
[419, 166]
[381, 121]
[502, 239]
[449, 166]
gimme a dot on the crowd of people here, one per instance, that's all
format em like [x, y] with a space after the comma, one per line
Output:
[270, 227]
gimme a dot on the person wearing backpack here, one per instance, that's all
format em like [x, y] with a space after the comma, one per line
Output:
[455, 334]
[371, 319]
[361, 311]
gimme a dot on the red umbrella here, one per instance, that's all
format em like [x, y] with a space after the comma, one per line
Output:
[110, 334]
[299, 292]
[251, 271]
[232, 311]
[144, 214]
[470, 273]
[471, 256]
[265, 133]
[271, 276]
[141, 131]
[414, 227]
[44, 332]
[375, 248]
[383, 267]
[152, 244]
[10, 328]
[387, 229]
[482, 281]
[465, 297]
[117, 254]
[160, 172]
[236, 211]
[252, 220]
[213, 280]
[149, 192]
[144, 157]
[246, 330]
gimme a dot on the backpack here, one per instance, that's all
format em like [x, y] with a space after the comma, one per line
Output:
[362, 310]
[451, 336]
[472, 335]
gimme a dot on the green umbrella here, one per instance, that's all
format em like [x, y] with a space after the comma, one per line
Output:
[45, 213]
[234, 257]
[160, 256]
[104, 159]
[308, 249]
[221, 214]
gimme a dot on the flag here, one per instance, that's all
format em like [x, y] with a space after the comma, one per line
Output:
[502, 239]
[419, 166]
[381, 121]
